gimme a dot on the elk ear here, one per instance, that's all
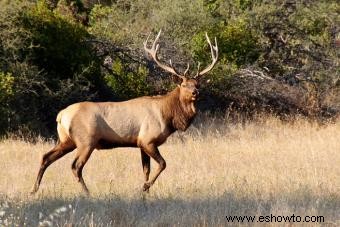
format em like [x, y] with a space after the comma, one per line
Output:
[202, 80]
[176, 79]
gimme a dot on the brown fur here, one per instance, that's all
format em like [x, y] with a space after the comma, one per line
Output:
[178, 114]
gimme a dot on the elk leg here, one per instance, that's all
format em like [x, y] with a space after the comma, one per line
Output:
[83, 154]
[146, 165]
[48, 158]
[153, 152]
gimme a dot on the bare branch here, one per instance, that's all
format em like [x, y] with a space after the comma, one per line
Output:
[256, 74]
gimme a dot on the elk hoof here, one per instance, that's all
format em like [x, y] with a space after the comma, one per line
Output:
[86, 192]
[146, 187]
[33, 191]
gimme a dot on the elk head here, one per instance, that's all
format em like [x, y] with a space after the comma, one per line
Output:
[189, 87]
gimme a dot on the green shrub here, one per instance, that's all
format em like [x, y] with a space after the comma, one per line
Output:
[237, 43]
[7, 92]
[6, 86]
[59, 45]
[126, 84]
[47, 56]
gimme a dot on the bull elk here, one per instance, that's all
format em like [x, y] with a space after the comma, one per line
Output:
[144, 122]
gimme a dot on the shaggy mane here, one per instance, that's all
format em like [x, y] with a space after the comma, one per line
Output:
[177, 113]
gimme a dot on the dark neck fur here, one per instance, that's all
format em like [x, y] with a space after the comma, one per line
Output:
[178, 113]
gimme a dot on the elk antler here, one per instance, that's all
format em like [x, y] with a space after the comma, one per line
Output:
[153, 52]
[187, 69]
[214, 56]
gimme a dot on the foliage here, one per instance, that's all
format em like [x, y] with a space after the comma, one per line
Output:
[237, 44]
[6, 93]
[6, 86]
[57, 43]
[50, 70]
[127, 84]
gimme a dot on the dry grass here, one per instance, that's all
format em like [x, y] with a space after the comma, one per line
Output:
[260, 169]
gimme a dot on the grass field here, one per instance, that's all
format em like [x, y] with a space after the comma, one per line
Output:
[214, 170]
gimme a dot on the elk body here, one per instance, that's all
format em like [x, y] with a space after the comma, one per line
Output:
[144, 122]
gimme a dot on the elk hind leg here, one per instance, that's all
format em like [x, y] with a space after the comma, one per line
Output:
[61, 149]
[82, 156]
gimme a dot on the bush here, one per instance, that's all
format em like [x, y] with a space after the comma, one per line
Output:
[6, 94]
[128, 84]
[51, 64]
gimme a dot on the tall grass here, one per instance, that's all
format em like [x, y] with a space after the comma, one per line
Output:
[215, 169]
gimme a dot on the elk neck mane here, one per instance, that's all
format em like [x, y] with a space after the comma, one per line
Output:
[177, 113]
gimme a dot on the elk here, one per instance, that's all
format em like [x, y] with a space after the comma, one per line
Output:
[144, 122]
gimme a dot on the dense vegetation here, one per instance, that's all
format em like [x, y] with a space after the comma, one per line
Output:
[275, 56]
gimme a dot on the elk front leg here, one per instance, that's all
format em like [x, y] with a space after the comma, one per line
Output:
[152, 151]
[146, 165]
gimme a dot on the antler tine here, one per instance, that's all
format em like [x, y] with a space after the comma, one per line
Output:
[157, 37]
[146, 41]
[214, 55]
[153, 52]
[187, 69]
[198, 69]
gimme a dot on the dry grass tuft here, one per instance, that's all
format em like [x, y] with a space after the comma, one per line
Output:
[263, 168]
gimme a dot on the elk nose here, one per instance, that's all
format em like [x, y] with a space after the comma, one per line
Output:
[195, 92]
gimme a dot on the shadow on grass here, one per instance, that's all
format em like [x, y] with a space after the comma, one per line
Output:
[148, 210]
